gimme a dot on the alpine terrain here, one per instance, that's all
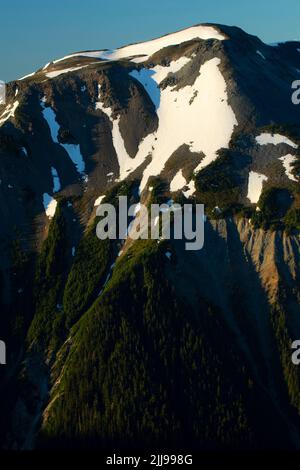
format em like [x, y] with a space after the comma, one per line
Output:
[132, 344]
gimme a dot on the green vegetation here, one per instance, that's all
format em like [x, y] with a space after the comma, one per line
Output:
[144, 369]
[284, 341]
[273, 204]
[22, 299]
[218, 184]
[159, 189]
[93, 258]
[292, 131]
[292, 220]
[51, 271]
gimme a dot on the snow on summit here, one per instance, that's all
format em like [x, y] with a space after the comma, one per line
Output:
[148, 48]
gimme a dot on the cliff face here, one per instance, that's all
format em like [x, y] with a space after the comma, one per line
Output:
[115, 343]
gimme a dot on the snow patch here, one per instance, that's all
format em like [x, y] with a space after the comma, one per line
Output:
[260, 54]
[198, 115]
[27, 76]
[57, 73]
[50, 205]
[287, 161]
[148, 48]
[275, 139]
[145, 77]
[255, 186]
[98, 201]
[178, 182]
[56, 180]
[72, 150]
[206, 123]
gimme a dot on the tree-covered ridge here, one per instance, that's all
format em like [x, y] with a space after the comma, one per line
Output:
[143, 369]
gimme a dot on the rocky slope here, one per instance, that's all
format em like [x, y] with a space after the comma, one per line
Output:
[202, 115]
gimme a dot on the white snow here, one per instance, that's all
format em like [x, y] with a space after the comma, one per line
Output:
[261, 55]
[50, 205]
[93, 54]
[9, 112]
[206, 124]
[46, 66]
[150, 83]
[27, 76]
[255, 186]
[287, 161]
[275, 139]
[72, 150]
[57, 73]
[178, 182]
[74, 153]
[98, 201]
[148, 48]
[56, 180]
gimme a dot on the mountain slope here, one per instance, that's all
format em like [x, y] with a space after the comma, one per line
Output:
[117, 344]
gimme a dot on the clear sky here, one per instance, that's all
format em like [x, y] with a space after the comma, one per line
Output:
[33, 32]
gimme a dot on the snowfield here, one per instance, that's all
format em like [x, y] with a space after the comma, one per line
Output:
[255, 186]
[98, 201]
[275, 139]
[148, 48]
[178, 182]
[197, 115]
[50, 205]
[56, 180]
[72, 150]
[287, 161]
[27, 76]
[57, 73]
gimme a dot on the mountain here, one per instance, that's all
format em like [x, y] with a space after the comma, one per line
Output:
[132, 344]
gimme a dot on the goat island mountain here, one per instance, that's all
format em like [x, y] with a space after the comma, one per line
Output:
[142, 344]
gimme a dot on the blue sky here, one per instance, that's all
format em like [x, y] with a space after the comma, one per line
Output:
[33, 32]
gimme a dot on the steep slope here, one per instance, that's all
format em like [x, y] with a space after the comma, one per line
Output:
[101, 342]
